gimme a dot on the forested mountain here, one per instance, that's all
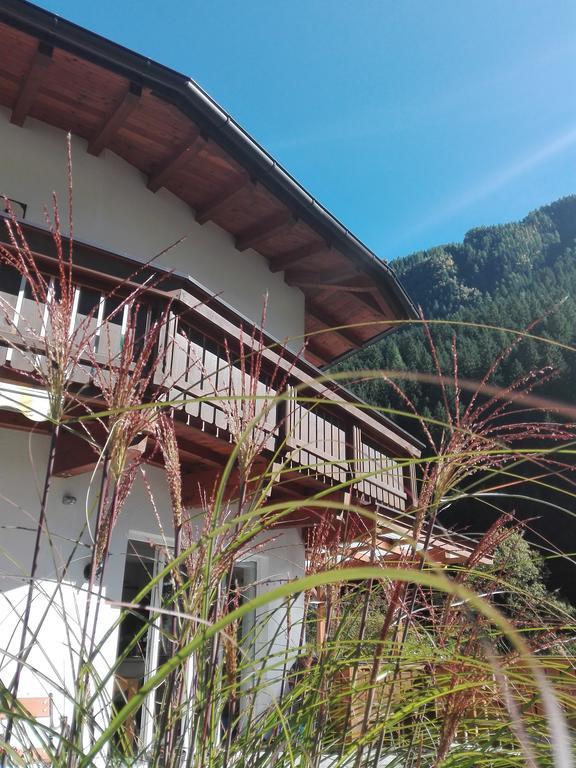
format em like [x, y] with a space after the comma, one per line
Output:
[507, 275]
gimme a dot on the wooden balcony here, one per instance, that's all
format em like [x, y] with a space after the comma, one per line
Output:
[320, 432]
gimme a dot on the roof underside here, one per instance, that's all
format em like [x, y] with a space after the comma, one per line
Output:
[167, 127]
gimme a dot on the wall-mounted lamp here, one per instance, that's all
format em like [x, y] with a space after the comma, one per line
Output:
[88, 569]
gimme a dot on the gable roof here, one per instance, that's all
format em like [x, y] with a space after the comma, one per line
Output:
[167, 126]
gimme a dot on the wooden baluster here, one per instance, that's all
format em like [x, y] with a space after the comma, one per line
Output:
[209, 368]
[28, 318]
[350, 453]
[413, 485]
[83, 324]
[281, 422]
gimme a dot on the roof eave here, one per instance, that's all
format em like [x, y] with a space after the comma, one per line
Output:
[203, 109]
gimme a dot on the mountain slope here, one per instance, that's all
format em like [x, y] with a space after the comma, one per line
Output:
[507, 275]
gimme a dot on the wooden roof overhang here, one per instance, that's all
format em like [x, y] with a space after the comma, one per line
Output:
[165, 125]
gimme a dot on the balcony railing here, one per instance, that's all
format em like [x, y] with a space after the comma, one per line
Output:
[318, 428]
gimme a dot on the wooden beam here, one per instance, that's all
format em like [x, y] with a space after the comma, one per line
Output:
[172, 164]
[297, 256]
[343, 286]
[224, 198]
[114, 120]
[344, 280]
[31, 83]
[380, 301]
[265, 229]
[373, 299]
[339, 280]
[191, 449]
[332, 323]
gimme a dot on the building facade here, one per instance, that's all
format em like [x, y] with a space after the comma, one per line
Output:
[174, 201]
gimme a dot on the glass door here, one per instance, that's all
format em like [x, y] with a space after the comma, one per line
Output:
[142, 656]
[145, 637]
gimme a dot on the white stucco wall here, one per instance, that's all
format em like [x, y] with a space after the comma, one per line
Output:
[114, 209]
[279, 556]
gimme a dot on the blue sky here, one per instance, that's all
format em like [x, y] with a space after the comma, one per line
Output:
[411, 120]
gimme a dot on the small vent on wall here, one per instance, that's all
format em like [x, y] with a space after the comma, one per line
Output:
[18, 207]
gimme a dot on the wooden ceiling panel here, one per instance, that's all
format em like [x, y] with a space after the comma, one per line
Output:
[191, 170]
[126, 147]
[292, 239]
[211, 165]
[192, 188]
[323, 329]
[159, 122]
[50, 99]
[91, 88]
[301, 256]
[62, 114]
[315, 263]
[158, 138]
[8, 90]
[75, 97]
[323, 347]
[17, 51]
[219, 159]
[348, 310]
[233, 196]
[339, 266]
[246, 213]
[136, 149]
[200, 180]
[222, 197]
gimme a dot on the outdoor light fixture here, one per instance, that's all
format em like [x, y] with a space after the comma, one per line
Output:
[88, 569]
[68, 499]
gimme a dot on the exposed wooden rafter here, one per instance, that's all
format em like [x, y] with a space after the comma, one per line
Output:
[174, 162]
[340, 281]
[373, 299]
[31, 82]
[346, 279]
[115, 119]
[195, 450]
[224, 198]
[380, 301]
[297, 256]
[265, 229]
[332, 323]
